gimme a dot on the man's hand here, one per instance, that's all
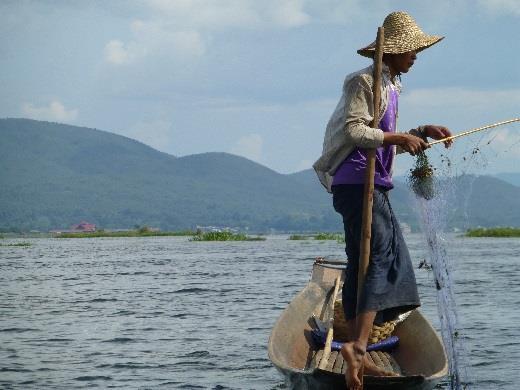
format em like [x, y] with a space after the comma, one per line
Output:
[410, 143]
[438, 132]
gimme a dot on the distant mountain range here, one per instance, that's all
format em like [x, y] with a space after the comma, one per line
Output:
[510, 177]
[55, 175]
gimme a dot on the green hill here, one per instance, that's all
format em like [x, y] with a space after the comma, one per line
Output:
[509, 177]
[55, 175]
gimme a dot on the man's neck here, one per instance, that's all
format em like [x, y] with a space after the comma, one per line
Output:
[393, 72]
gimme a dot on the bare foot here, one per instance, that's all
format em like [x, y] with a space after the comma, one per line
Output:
[353, 354]
[373, 370]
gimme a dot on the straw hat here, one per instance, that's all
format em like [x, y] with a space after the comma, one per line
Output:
[402, 34]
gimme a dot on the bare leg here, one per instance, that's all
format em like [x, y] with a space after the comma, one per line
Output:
[369, 367]
[373, 370]
[354, 350]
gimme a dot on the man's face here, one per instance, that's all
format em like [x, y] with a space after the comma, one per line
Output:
[401, 63]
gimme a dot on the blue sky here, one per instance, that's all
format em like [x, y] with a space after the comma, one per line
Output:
[254, 78]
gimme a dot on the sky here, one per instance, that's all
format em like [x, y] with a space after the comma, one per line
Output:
[254, 78]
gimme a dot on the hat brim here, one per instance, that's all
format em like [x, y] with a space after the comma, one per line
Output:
[398, 47]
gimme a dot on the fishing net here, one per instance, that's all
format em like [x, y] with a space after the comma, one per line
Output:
[421, 178]
[433, 224]
[434, 190]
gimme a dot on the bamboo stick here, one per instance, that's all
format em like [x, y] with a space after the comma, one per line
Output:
[474, 131]
[330, 332]
[368, 196]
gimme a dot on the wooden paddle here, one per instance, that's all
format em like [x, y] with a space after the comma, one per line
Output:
[368, 196]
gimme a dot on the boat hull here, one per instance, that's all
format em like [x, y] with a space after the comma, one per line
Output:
[324, 380]
[291, 348]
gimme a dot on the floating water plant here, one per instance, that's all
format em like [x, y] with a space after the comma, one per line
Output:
[224, 236]
[298, 237]
[328, 236]
[142, 232]
[494, 232]
[22, 244]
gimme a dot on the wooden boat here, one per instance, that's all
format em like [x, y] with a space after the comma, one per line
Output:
[420, 358]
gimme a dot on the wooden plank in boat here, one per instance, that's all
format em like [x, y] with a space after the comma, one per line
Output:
[332, 359]
[395, 366]
[338, 364]
[370, 358]
[377, 360]
[316, 358]
[385, 361]
[385, 358]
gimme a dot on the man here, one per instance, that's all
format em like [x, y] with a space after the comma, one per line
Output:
[389, 288]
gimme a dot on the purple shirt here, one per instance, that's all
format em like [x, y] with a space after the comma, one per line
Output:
[352, 170]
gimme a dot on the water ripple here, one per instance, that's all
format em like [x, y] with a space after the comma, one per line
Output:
[167, 313]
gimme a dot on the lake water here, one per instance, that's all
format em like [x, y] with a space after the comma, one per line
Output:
[168, 313]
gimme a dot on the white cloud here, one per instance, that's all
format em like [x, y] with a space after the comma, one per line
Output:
[505, 142]
[459, 108]
[204, 14]
[290, 14]
[55, 111]
[252, 14]
[344, 11]
[463, 97]
[161, 36]
[181, 29]
[231, 13]
[462, 109]
[188, 43]
[116, 53]
[155, 38]
[249, 146]
[501, 6]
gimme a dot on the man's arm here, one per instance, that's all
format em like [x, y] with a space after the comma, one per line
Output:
[407, 142]
[416, 140]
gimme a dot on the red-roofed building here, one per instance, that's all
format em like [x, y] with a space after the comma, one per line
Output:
[84, 227]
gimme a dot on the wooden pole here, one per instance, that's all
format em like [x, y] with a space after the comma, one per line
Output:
[330, 332]
[368, 196]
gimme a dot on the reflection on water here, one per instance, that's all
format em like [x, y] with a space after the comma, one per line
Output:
[169, 313]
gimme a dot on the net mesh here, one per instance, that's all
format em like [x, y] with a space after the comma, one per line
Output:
[433, 225]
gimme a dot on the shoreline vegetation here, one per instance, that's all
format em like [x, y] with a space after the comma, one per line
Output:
[147, 232]
[339, 237]
[22, 244]
[493, 232]
[141, 232]
[224, 236]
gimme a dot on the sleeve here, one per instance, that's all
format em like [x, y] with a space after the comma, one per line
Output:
[359, 112]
